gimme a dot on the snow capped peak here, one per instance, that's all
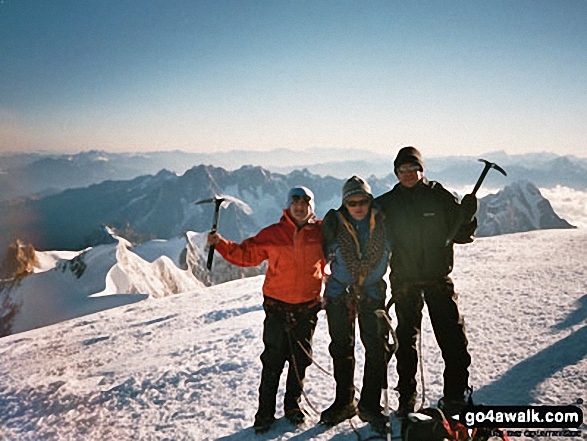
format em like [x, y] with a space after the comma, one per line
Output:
[518, 207]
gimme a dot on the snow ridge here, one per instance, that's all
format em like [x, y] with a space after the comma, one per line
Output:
[95, 279]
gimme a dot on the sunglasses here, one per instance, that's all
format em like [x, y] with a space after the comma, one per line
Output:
[360, 203]
[409, 168]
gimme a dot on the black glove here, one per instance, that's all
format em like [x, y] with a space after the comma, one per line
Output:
[469, 205]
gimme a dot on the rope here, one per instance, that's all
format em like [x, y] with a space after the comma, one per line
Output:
[312, 359]
[318, 366]
[295, 366]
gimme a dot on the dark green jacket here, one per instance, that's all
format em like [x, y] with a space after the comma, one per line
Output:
[419, 221]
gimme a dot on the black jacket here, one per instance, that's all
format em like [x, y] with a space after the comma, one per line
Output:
[419, 221]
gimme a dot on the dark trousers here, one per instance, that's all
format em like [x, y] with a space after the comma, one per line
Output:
[374, 336]
[449, 330]
[286, 326]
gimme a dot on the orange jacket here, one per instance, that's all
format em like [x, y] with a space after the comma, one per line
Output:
[296, 260]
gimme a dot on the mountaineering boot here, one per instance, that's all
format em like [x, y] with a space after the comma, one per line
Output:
[338, 412]
[454, 404]
[295, 416]
[345, 404]
[407, 403]
[291, 404]
[451, 407]
[263, 423]
[374, 417]
[291, 408]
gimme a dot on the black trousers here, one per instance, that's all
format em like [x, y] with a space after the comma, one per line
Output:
[374, 336]
[286, 327]
[449, 330]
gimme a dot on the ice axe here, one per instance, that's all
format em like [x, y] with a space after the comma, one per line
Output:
[217, 203]
[488, 166]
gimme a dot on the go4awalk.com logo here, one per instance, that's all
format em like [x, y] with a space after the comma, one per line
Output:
[522, 416]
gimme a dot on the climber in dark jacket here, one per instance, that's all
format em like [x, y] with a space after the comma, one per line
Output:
[420, 218]
[358, 254]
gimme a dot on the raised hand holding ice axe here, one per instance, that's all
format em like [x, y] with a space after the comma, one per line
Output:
[469, 204]
[218, 202]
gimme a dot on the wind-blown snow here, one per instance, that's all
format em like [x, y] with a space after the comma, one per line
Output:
[48, 260]
[187, 367]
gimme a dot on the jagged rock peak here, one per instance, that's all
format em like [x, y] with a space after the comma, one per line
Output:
[19, 261]
[518, 207]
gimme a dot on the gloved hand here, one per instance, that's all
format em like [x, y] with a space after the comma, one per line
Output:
[213, 239]
[469, 205]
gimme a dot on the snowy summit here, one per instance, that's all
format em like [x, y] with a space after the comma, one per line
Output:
[186, 367]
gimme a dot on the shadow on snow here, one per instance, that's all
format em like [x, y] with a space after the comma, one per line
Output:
[516, 386]
[576, 317]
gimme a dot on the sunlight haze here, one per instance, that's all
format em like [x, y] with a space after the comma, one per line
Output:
[451, 77]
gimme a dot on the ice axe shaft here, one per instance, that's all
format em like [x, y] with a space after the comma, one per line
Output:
[385, 321]
[217, 203]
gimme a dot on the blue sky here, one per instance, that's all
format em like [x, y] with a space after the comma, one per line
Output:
[451, 77]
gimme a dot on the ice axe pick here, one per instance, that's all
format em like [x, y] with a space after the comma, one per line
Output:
[217, 203]
[488, 166]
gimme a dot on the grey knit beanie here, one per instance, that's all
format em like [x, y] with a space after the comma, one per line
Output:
[355, 186]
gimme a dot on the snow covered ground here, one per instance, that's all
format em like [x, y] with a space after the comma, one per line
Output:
[187, 367]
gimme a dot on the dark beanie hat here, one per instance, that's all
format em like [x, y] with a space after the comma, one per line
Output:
[408, 155]
[355, 186]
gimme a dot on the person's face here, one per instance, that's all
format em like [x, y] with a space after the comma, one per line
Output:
[358, 206]
[409, 174]
[300, 209]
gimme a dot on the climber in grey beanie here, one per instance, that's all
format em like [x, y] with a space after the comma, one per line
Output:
[357, 251]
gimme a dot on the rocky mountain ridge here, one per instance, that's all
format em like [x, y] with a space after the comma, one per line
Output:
[43, 173]
[163, 206]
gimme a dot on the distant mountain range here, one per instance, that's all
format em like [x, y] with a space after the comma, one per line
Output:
[163, 206]
[43, 173]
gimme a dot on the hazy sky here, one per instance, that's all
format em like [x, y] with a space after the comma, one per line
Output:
[452, 77]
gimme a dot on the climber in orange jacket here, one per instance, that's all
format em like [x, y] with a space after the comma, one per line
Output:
[291, 299]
